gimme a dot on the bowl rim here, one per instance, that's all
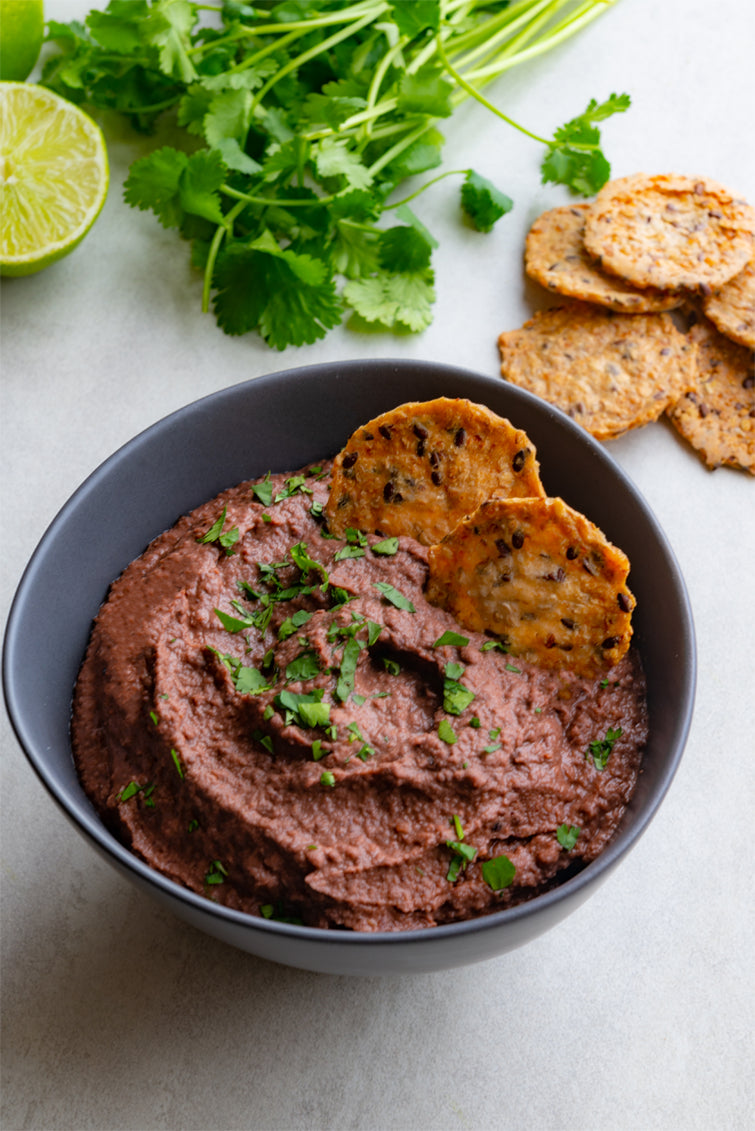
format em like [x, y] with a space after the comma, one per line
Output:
[89, 824]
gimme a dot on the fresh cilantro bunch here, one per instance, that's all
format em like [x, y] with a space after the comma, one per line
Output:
[300, 119]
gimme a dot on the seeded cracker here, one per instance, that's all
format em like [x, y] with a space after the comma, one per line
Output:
[555, 257]
[670, 231]
[718, 415]
[541, 576]
[732, 307]
[609, 372]
[421, 467]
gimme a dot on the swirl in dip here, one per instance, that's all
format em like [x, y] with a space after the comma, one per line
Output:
[278, 719]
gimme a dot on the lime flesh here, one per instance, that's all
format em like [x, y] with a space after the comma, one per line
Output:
[53, 177]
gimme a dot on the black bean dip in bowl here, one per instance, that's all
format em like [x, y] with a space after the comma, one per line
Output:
[283, 422]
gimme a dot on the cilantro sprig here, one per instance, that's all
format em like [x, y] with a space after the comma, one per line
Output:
[296, 122]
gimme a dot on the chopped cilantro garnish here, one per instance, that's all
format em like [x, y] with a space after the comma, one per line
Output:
[600, 749]
[301, 557]
[451, 638]
[264, 491]
[454, 671]
[394, 596]
[497, 645]
[177, 762]
[216, 873]
[305, 709]
[366, 751]
[446, 732]
[347, 552]
[317, 750]
[391, 666]
[373, 632]
[291, 486]
[513, 668]
[358, 699]
[498, 872]
[290, 624]
[475, 722]
[227, 541]
[233, 624]
[388, 547]
[456, 697]
[327, 778]
[349, 660]
[129, 791]
[566, 835]
[154, 716]
[304, 666]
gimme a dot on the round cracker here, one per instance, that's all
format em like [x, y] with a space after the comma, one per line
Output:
[717, 416]
[670, 231]
[555, 256]
[609, 372]
[541, 576]
[421, 467]
[732, 307]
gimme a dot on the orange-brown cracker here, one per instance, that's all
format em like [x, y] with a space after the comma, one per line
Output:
[732, 307]
[610, 372]
[670, 231]
[421, 467]
[717, 416]
[540, 576]
[555, 256]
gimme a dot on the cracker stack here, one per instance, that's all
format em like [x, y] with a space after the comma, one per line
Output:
[614, 358]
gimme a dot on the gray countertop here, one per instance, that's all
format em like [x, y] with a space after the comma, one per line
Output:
[636, 1012]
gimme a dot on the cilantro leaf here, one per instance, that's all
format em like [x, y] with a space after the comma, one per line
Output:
[482, 202]
[567, 835]
[498, 872]
[287, 297]
[600, 749]
[394, 596]
[574, 157]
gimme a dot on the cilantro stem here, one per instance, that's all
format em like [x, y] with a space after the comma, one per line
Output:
[426, 185]
[312, 53]
[277, 200]
[462, 82]
[587, 12]
[217, 239]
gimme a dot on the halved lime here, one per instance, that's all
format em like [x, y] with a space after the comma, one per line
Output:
[53, 177]
[22, 29]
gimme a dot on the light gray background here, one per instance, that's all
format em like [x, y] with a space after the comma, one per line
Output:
[634, 1014]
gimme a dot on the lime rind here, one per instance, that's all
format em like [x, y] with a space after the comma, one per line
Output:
[53, 177]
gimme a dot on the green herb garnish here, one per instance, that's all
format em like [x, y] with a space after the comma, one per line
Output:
[387, 547]
[600, 749]
[446, 732]
[227, 541]
[327, 778]
[216, 873]
[451, 638]
[567, 835]
[393, 595]
[498, 872]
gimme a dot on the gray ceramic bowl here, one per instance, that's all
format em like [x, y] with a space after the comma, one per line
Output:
[283, 421]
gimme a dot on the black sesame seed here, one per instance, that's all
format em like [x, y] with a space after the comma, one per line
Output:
[519, 459]
[349, 459]
[517, 539]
